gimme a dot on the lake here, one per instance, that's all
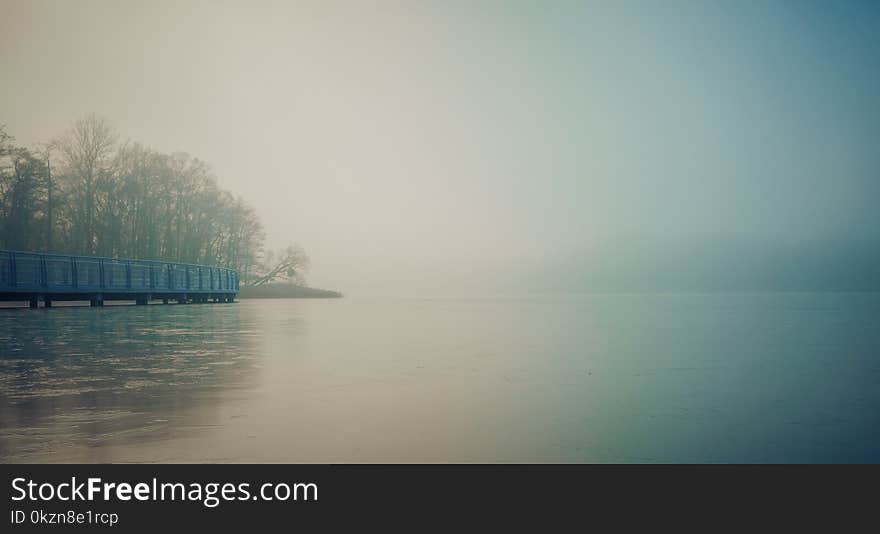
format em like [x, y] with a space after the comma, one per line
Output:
[781, 377]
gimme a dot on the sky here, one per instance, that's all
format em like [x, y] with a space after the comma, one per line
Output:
[444, 147]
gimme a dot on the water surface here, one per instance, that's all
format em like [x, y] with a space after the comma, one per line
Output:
[588, 378]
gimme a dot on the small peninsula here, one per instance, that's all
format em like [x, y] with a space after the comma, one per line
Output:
[286, 291]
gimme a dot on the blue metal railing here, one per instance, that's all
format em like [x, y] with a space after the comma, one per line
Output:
[56, 273]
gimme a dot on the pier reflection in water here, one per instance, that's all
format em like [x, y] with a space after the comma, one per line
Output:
[75, 382]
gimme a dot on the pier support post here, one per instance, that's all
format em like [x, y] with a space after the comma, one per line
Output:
[97, 301]
[47, 302]
[34, 302]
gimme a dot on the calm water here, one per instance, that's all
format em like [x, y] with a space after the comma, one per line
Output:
[637, 378]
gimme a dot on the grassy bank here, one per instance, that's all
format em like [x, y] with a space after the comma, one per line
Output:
[286, 291]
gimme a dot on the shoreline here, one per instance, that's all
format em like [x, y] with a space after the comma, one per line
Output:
[286, 291]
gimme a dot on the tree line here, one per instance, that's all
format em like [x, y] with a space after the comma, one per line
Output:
[86, 193]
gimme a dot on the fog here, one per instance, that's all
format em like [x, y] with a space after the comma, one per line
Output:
[496, 147]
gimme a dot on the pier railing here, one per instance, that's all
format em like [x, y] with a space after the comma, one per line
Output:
[60, 276]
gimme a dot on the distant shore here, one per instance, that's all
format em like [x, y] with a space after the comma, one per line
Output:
[286, 291]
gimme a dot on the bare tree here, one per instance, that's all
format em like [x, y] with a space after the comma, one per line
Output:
[87, 148]
[290, 266]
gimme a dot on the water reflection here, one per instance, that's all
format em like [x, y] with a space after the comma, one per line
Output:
[591, 378]
[76, 381]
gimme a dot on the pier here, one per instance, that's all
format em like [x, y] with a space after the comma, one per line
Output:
[37, 277]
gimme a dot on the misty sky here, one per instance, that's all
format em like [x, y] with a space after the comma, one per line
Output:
[415, 146]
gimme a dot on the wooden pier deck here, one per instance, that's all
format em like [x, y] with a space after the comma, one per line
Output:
[35, 277]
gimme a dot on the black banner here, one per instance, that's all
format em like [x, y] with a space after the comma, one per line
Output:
[133, 498]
